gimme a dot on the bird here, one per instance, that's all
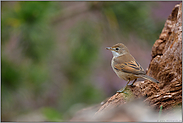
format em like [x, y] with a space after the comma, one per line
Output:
[125, 65]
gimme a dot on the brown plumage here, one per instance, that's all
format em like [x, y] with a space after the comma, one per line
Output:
[125, 65]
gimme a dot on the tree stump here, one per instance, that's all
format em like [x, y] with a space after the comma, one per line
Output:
[165, 66]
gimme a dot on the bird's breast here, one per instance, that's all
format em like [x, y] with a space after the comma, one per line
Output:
[123, 75]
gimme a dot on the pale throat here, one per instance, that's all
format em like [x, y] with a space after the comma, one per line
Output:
[115, 54]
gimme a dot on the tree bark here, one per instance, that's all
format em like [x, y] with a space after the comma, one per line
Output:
[165, 66]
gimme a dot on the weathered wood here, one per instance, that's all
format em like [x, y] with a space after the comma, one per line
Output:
[165, 66]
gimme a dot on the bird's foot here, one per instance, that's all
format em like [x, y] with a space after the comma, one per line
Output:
[122, 91]
[132, 85]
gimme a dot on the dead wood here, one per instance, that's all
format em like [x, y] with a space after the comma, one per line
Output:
[165, 66]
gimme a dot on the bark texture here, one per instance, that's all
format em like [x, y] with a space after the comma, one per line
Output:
[165, 66]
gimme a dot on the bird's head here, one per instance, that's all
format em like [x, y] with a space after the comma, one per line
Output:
[118, 49]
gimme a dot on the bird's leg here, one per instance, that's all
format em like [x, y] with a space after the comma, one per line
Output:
[133, 82]
[121, 91]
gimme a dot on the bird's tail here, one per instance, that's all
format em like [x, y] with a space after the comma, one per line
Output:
[149, 78]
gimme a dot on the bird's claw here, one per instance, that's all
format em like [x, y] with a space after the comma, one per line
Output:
[121, 91]
[132, 85]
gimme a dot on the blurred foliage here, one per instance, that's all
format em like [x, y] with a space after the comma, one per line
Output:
[28, 80]
[131, 18]
[10, 74]
[84, 41]
[84, 45]
[29, 23]
[51, 114]
[30, 20]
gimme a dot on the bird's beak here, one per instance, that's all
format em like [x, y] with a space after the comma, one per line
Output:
[108, 48]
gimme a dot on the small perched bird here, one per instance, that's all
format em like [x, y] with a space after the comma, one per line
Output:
[125, 65]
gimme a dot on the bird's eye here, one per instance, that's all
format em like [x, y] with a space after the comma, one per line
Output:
[117, 48]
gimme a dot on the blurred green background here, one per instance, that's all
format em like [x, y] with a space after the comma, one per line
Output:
[53, 55]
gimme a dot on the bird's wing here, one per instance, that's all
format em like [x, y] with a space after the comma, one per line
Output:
[130, 67]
